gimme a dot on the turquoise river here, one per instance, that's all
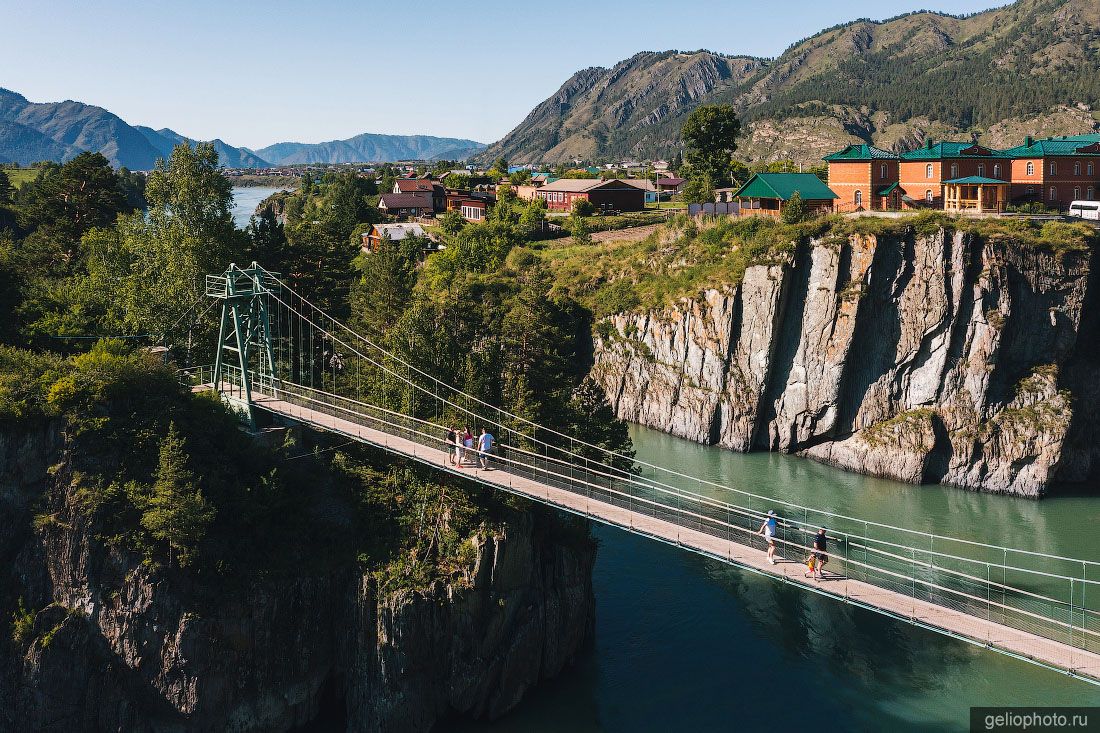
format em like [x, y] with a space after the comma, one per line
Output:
[685, 643]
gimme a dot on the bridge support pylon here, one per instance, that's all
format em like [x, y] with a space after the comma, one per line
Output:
[245, 355]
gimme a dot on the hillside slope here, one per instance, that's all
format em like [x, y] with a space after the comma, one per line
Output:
[365, 148]
[889, 83]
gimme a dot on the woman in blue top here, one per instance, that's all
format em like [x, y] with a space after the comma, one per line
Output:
[769, 529]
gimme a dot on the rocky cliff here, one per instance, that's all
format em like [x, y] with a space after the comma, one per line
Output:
[925, 357]
[103, 641]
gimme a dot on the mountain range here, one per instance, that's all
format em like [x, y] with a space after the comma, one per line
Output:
[1028, 67]
[33, 131]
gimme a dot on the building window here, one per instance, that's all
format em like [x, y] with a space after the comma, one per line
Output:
[1090, 168]
[1030, 168]
[981, 169]
[882, 172]
[1076, 193]
[928, 195]
[996, 170]
[928, 171]
[1053, 167]
[954, 170]
[1076, 167]
[1053, 193]
[1090, 193]
[859, 199]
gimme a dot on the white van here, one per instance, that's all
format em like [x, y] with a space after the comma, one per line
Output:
[1085, 209]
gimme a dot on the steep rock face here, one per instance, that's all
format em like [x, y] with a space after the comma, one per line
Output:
[117, 646]
[934, 357]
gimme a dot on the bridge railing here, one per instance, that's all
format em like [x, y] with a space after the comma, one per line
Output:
[1048, 604]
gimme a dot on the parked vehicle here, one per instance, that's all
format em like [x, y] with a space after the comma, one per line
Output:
[1085, 209]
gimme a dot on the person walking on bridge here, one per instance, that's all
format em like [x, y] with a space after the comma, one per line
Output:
[769, 529]
[818, 554]
[484, 447]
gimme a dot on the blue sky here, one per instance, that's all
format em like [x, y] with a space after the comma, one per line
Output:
[254, 73]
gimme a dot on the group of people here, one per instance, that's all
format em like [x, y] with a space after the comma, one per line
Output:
[819, 546]
[469, 449]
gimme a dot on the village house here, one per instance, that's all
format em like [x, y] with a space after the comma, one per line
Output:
[670, 184]
[473, 205]
[611, 195]
[864, 178]
[372, 239]
[765, 194]
[404, 205]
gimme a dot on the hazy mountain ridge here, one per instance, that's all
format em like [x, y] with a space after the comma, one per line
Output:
[35, 131]
[888, 82]
[367, 147]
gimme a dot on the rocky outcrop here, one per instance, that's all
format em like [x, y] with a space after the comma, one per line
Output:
[111, 644]
[936, 357]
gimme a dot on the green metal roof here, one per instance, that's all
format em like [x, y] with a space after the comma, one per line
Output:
[783, 185]
[975, 180]
[942, 150]
[1055, 146]
[888, 190]
[861, 152]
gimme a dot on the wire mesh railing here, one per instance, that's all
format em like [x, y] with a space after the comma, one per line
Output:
[1029, 599]
[323, 367]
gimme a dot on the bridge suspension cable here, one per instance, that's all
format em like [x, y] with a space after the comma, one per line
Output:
[323, 372]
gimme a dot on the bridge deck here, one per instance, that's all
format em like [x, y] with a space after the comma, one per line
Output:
[946, 620]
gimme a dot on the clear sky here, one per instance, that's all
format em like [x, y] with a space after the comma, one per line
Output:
[254, 73]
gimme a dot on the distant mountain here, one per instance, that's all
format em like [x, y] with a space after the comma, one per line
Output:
[369, 148]
[230, 157]
[889, 83]
[32, 132]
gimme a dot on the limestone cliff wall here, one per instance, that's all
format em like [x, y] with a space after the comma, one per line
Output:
[116, 645]
[934, 357]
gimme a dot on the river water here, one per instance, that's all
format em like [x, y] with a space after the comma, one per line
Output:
[245, 201]
[686, 643]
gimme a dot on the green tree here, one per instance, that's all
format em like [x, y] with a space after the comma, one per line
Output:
[268, 240]
[451, 222]
[593, 418]
[579, 229]
[710, 139]
[385, 284]
[699, 190]
[583, 207]
[794, 209]
[176, 512]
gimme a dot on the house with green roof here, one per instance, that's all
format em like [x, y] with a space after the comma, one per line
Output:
[766, 193]
[1056, 170]
[864, 178]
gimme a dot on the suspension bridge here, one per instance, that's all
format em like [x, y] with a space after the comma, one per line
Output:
[280, 355]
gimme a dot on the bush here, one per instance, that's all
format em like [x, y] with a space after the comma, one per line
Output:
[22, 624]
[583, 207]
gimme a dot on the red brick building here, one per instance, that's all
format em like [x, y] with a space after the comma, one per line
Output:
[1056, 171]
[864, 178]
[612, 195]
[922, 173]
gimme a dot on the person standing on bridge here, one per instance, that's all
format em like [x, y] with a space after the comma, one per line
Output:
[467, 442]
[819, 554]
[484, 447]
[769, 529]
[449, 441]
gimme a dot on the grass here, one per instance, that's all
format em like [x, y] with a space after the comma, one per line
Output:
[689, 256]
[20, 176]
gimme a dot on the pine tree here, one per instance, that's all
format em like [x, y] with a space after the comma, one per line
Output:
[176, 512]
